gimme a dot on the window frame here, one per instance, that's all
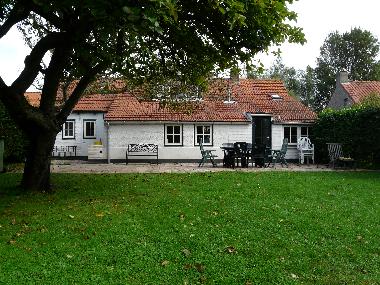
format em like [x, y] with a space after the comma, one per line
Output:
[85, 136]
[68, 137]
[307, 131]
[166, 142]
[290, 134]
[299, 132]
[211, 143]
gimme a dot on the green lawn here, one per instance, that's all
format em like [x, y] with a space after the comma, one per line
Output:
[205, 228]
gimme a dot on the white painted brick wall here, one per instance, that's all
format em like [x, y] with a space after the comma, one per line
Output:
[123, 134]
[79, 141]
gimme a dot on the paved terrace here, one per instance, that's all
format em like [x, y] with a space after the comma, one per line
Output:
[76, 166]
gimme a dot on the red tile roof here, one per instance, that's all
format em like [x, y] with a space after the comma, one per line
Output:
[33, 98]
[95, 103]
[127, 108]
[89, 103]
[358, 90]
[252, 96]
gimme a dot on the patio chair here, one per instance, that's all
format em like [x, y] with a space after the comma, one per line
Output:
[279, 155]
[305, 149]
[240, 153]
[206, 155]
[261, 155]
[336, 155]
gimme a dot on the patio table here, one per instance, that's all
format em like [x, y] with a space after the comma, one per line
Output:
[232, 152]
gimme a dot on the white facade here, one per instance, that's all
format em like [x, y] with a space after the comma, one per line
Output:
[79, 140]
[120, 134]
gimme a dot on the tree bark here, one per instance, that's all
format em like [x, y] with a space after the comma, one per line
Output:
[36, 175]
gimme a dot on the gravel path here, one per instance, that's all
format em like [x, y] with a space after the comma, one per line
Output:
[76, 166]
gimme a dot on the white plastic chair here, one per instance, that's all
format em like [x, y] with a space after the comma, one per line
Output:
[305, 149]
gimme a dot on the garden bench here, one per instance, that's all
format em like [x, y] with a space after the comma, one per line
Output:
[64, 151]
[143, 149]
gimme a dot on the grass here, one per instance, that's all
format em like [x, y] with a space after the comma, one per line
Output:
[205, 228]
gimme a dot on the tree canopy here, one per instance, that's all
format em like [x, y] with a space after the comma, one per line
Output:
[141, 40]
[355, 52]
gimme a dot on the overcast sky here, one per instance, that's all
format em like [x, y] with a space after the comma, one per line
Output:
[317, 18]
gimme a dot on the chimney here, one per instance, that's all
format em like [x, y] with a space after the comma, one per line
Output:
[234, 74]
[341, 77]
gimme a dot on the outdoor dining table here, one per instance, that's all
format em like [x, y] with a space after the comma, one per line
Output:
[260, 154]
[231, 153]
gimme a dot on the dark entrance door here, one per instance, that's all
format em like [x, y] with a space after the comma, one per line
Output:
[261, 139]
[262, 131]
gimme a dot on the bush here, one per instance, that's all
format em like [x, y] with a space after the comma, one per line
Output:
[357, 128]
[15, 141]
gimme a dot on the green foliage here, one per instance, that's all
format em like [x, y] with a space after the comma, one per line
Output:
[199, 228]
[358, 129]
[144, 40]
[355, 52]
[14, 140]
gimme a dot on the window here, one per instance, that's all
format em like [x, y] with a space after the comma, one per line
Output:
[89, 129]
[68, 130]
[305, 132]
[291, 134]
[173, 135]
[203, 133]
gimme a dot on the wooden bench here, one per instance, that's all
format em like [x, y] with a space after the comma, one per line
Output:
[64, 151]
[136, 149]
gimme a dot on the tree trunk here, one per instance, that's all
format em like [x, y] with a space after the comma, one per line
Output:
[36, 175]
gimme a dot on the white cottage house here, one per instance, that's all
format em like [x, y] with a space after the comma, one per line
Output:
[259, 111]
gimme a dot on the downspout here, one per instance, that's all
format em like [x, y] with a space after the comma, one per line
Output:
[250, 118]
[108, 142]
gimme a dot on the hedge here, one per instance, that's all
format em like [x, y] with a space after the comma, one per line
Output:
[15, 142]
[357, 128]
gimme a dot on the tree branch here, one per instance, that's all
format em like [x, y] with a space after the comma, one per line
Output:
[25, 115]
[78, 92]
[51, 18]
[58, 62]
[19, 12]
[33, 61]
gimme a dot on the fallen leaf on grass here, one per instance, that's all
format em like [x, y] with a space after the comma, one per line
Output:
[12, 241]
[199, 267]
[186, 252]
[293, 276]
[202, 279]
[100, 215]
[165, 263]
[231, 250]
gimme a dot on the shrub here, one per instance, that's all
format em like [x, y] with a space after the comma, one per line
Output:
[357, 128]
